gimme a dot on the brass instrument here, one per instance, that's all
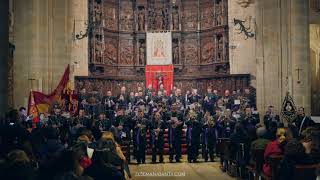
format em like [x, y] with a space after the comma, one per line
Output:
[210, 121]
[175, 122]
[157, 131]
[142, 127]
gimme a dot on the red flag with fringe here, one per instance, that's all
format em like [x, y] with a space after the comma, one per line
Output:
[41, 103]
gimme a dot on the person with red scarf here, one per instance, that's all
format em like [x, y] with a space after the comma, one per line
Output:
[275, 147]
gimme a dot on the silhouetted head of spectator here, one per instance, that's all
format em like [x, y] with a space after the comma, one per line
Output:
[51, 133]
[13, 116]
[273, 125]
[294, 149]
[261, 131]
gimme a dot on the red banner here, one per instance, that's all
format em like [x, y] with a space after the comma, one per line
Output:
[40, 102]
[164, 73]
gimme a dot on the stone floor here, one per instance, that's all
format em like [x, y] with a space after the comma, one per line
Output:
[173, 171]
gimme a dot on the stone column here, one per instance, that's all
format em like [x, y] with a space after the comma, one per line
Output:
[42, 38]
[4, 49]
[242, 50]
[282, 48]
[300, 53]
[78, 48]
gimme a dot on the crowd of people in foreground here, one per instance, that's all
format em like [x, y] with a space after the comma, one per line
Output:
[88, 145]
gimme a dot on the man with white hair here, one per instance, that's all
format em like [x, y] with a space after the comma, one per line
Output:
[195, 97]
[177, 98]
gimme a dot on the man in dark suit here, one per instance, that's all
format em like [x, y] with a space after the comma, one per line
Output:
[302, 121]
[270, 116]
[109, 103]
[157, 129]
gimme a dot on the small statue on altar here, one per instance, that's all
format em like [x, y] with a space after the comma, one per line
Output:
[161, 89]
[160, 79]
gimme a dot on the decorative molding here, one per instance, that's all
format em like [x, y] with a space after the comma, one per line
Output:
[244, 3]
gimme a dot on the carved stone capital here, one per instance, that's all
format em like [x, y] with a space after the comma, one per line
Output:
[244, 3]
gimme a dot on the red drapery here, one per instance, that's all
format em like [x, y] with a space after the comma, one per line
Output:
[152, 76]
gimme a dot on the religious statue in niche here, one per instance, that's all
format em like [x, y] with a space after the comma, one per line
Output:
[190, 51]
[141, 19]
[175, 51]
[126, 54]
[158, 16]
[220, 47]
[219, 15]
[190, 19]
[175, 18]
[110, 54]
[159, 21]
[98, 53]
[207, 53]
[98, 57]
[176, 54]
[142, 53]
[207, 17]
[110, 17]
[126, 20]
[97, 12]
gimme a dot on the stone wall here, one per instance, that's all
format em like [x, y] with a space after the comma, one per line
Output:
[315, 68]
[43, 33]
[242, 50]
[279, 49]
[45, 45]
[282, 47]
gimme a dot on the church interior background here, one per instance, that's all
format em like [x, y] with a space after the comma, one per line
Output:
[269, 46]
[208, 45]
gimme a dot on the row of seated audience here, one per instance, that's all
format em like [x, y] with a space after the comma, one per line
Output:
[41, 153]
[274, 154]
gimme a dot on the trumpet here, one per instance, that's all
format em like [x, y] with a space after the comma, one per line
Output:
[210, 121]
[157, 131]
